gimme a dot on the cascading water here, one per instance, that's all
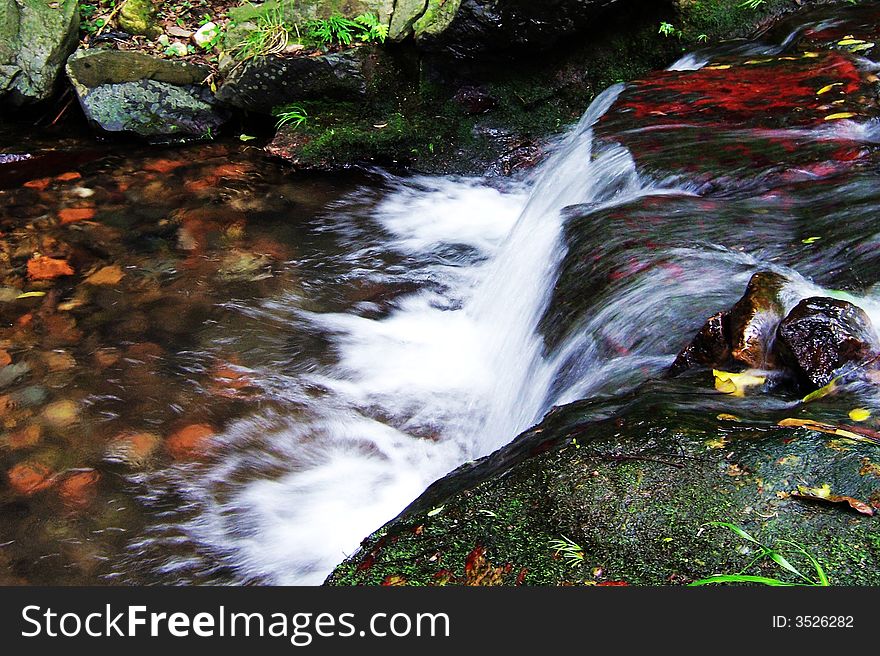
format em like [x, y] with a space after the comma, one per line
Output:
[374, 401]
[452, 373]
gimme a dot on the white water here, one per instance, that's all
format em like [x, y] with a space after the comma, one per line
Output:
[454, 372]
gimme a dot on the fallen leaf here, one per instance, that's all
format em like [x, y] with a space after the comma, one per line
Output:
[75, 214]
[108, 275]
[859, 414]
[39, 184]
[190, 441]
[133, 449]
[30, 295]
[828, 88]
[479, 571]
[79, 488]
[5, 358]
[28, 478]
[718, 443]
[25, 438]
[822, 392]
[40, 267]
[869, 468]
[394, 580]
[70, 175]
[823, 493]
[835, 117]
[727, 417]
[849, 432]
[61, 414]
[736, 384]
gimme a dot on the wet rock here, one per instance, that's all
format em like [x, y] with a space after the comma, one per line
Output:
[744, 334]
[632, 456]
[754, 318]
[710, 348]
[35, 40]
[486, 28]
[263, 83]
[123, 91]
[822, 335]
[475, 100]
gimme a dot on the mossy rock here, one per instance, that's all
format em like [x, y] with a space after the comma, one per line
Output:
[139, 17]
[35, 40]
[637, 485]
[161, 100]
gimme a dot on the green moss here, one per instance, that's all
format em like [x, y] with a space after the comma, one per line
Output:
[437, 17]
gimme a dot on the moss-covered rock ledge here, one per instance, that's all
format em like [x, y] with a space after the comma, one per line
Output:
[435, 112]
[635, 485]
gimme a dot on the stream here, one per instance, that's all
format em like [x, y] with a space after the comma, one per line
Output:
[244, 371]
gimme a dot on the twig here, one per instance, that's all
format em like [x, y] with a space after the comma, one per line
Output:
[111, 17]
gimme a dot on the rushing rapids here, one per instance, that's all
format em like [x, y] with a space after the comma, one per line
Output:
[409, 325]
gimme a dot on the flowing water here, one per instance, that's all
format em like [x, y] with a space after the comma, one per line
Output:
[340, 342]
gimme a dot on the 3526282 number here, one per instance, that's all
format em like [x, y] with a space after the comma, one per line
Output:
[823, 621]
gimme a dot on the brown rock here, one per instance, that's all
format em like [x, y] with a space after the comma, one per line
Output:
[821, 335]
[754, 319]
[710, 347]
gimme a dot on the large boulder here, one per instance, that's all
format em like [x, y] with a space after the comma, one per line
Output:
[123, 91]
[822, 335]
[633, 485]
[35, 40]
[475, 28]
[263, 83]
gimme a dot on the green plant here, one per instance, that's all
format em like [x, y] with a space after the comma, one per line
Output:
[294, 115]
[271, 37]
[751, 4]
[570, 550]
[666, 29]
[338, 29]
[765, 552]
[702, 38]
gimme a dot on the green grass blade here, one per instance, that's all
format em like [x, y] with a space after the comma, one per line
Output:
[742, 578]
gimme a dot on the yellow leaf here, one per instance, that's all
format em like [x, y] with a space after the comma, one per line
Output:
[859, 414]
[31, 295]
[849, 41]
[822, 492]
[822, 392]
[718, 443]
[736, 384]
[726, 417]
[828, 88]
[718, 67]
[834, 117]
